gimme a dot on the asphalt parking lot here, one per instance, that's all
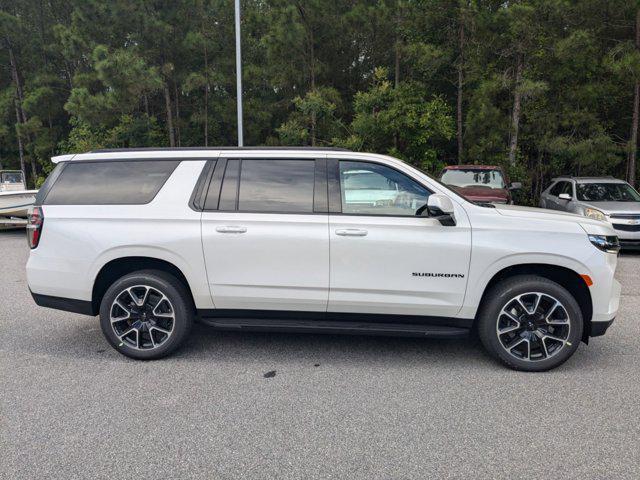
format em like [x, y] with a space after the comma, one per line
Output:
[337, 406]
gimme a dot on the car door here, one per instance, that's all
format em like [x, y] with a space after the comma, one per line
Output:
[386, 259]
[564, 204]
[546, 198]
[552, 200]
[265, 234]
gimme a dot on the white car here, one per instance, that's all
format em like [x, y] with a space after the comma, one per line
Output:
[274, 239]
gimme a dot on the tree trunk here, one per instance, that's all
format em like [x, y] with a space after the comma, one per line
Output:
[68, 74]
[177, 101]
[43, 49]
[312, 59]
[167, 103]
[633, 140]
[312, 66]
[206, 95]
[515, 116]
[396, 73]
[397, 46]
[20, 147]
[21, 116]
[460, 88]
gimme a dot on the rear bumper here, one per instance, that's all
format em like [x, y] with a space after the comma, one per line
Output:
[600, 328]
[83, 307]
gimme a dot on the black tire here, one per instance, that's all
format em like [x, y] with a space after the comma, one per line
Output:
[177, 304]
[491, 317]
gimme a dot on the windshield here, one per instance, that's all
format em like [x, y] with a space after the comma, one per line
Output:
[606, 192]
[12, 177]
[473, 178]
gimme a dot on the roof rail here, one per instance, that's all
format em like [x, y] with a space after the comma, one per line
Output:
[151, 149]
[574, 177]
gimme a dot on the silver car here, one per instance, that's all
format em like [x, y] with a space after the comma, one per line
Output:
[602, 198]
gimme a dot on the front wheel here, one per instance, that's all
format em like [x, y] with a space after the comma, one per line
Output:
[146, 314]
[530, 323]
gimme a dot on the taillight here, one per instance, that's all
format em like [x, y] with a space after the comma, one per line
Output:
[34, 226]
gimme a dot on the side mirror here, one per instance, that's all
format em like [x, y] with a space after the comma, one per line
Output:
[440, 204]
[564, 196]
[515, 186]
[441, 207]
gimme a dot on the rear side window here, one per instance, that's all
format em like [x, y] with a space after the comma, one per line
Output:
[131, 182]
[277, 186]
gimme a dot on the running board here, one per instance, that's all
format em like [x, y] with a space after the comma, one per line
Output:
[335, 327]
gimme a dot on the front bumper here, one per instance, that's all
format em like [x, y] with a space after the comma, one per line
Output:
[628, 233]
[607, 308]
[628, 243]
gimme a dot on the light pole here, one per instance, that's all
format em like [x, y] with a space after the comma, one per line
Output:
[239, 75]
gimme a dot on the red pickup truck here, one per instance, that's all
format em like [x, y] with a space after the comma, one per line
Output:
[480, 183]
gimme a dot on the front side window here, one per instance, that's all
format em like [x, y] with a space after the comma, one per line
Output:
[112, 182]
[373, 189]
[473, 178]
[277, 186]
[557, 189]
[568, 187]
[606, 192]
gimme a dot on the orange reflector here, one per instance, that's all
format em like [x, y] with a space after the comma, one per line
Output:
[587, 280]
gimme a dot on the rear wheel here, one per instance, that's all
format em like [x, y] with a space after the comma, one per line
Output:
[530, 323]
[146, 314]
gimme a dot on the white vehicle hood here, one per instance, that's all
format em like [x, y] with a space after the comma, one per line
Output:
[590, 225]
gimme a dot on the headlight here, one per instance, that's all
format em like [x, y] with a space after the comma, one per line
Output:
[595, 214]
[606, 243]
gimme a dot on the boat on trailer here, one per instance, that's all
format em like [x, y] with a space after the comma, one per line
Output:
[15, 199]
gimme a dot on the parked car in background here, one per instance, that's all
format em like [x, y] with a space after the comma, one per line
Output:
[480, 183]
[320, 240]
[601, 198]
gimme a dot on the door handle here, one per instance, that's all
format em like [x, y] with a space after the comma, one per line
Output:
[351, 232]
[231, 229]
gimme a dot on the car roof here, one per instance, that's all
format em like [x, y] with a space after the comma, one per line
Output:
[473, 167]
[180, 152]
[589, 179]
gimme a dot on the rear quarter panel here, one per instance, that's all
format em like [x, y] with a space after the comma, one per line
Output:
[78, 240]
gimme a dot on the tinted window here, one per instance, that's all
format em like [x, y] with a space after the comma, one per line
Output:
[557, 188]
[229, 190]
[110, 183]
[49, 182]
[373, 189]
[276, 186]
[606, 192]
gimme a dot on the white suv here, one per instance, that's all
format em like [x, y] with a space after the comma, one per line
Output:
[311, 240]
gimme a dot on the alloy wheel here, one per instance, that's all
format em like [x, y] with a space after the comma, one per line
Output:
[533, 326]
[142, 317]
